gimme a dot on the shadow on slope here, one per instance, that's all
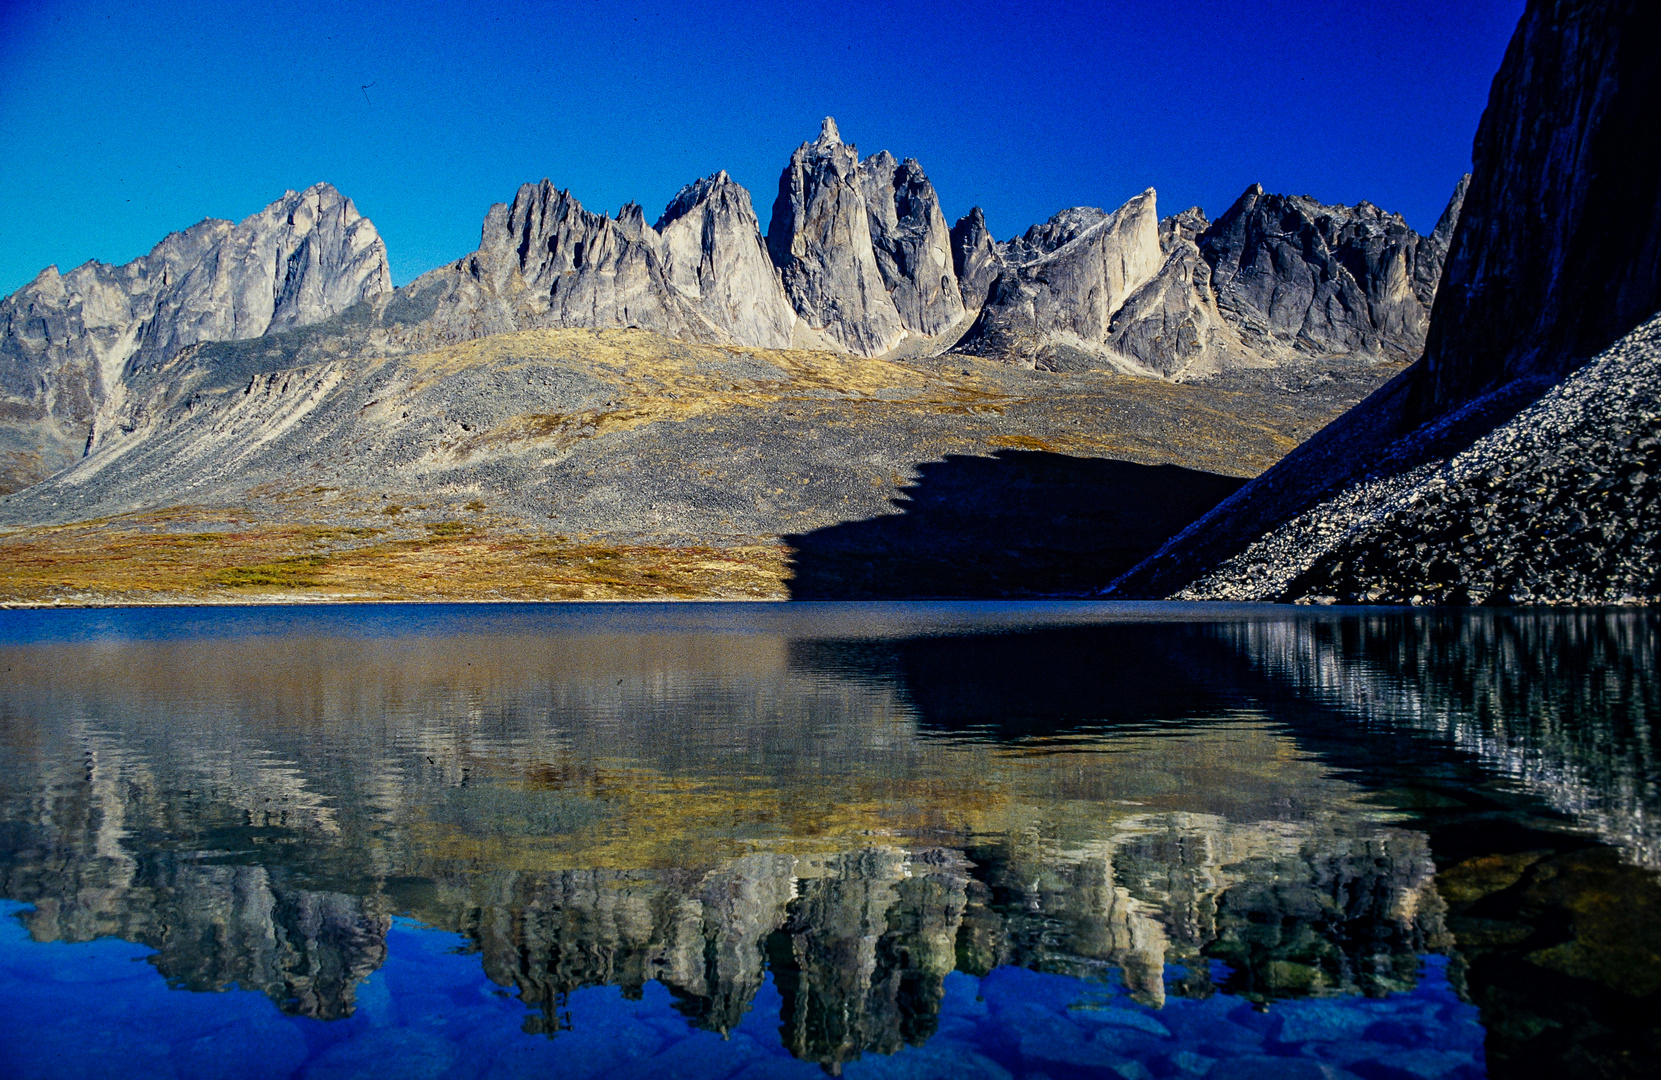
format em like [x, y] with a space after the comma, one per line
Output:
[1019, 523]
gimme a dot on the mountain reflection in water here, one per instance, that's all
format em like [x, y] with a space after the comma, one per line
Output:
[847, 803]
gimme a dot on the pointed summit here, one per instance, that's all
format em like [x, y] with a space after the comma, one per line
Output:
[828, 133]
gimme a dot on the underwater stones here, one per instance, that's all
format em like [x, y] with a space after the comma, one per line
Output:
[1464, 883]
[387, 1053]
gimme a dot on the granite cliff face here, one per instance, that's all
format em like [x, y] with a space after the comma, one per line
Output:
[1069, 277]
[67, 341]
[1458, 481]
[1558, 250]
[1275, 279]
[717, 257]
[911, 243]
[701, 274]
[820, 238]
[1291, 273]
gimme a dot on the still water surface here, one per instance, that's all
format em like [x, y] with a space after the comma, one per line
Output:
[911, 840]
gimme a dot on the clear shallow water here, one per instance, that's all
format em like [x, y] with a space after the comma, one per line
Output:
[1057, 840]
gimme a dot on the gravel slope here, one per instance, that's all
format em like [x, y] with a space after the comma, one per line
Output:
[1560, 505]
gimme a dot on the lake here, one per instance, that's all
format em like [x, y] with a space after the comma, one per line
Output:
[923, 840]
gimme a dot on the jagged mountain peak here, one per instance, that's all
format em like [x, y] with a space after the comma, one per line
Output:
[696, 192]
[68, 342]
[828, 134]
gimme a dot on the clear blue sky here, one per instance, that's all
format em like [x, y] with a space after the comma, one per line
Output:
[122, 121]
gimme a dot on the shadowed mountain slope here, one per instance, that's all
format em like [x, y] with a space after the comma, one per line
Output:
[1557, 254]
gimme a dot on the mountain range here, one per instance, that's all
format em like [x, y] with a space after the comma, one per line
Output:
[863, 401]
[857, 258]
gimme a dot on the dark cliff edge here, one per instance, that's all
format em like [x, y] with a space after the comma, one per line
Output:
[1556, 256]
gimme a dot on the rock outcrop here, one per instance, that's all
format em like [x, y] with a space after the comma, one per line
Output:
[911, 243]
[68, 340]
[545, 261]
[717, 258]
[1413, 495]
[1558, 250]
[1172, 325]
[976, 257]
[1293, 274]
[1275, 279]
[820, 238]
[1054, 308]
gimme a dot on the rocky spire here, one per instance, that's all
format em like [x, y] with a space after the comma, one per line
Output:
[1057, 306]
[911, 243]
[715, 256]
[820, 239]
[976, 258]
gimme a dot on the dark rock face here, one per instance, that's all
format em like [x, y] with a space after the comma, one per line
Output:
[1432, 255]
[976, 257]
[820, 238]
[1560, 505]
[1557, 252]
[67, 340]
[1291, 273]
[912, 245]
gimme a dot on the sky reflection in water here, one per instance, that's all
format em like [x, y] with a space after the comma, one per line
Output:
[926, 839]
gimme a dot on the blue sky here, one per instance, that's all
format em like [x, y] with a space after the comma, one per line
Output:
[120, 122]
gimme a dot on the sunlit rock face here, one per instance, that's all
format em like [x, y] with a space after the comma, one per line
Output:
[977, 258]
[544, 260]
[1068, 279]
[716, 256]
[67, 341]
[1275, 279]
[820, 238]
[911, 243]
